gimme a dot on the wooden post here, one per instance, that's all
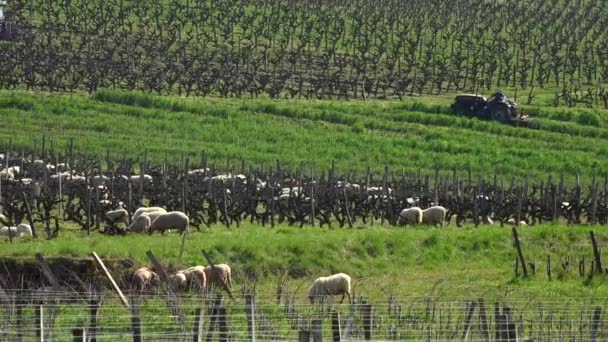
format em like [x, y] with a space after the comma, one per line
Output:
[549, 266]
[317, 330]
[136, 320]
[597, 313]
[172, 300]
[519, 253]
[95, 307]
[596, 254]
[250, 307]
[29, 215]
[335, 326]
[366, 312]
[304, 336]
[20, 304]
[197, 331]
[79, 335]
[485, 330]
[468, 320]
[223, 324]
[122, 297]
[40, 323]
[214, 317]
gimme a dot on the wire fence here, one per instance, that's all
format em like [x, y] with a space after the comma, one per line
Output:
[30, 315]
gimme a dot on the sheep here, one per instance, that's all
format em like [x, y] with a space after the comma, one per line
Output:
[142, 210]
[521, 223]
[330, 286]
[7, 174]
[410, 216]
[117, 216]
[140, 224]
[434, 215]
[143, 277]
[192, 275]
[223, 271]
[136, 179]
[21, 230]
[173, 219]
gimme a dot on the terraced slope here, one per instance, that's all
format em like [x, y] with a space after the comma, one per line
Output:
[403, 135]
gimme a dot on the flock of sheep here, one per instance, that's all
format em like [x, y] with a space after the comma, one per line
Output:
[207, 277]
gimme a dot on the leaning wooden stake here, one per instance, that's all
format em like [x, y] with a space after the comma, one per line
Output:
[519, 253]
[122, 297]
[596, 254]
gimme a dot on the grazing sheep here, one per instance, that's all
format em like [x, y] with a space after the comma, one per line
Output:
[410, 216]
[117, 216]
[179, 280]
[135, 179]
[21, 230]
[173, 219]
[192, 275]
[337, 284]
[143, 277]
[434, 215]
[142, 210]
[512, 221]
[224, 272]
[140, 224]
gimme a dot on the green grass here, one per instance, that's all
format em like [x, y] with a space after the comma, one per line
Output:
[443, 263]
[406, 136]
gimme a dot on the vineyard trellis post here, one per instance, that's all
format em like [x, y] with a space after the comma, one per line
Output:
[136, 324]
[94, 309]
[485, 330]
[197, 333]
[250, 307]
[470, 310]
[597, 313]
[335, 326]
[519, 252]
[596, 254]
[317, 330]
[39, 323]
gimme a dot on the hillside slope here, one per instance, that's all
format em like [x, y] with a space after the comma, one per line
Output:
[405, 136]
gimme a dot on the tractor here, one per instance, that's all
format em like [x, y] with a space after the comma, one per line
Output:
[497, 108]
[9, 30]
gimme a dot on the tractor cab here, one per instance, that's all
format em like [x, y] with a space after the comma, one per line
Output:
[8, 29]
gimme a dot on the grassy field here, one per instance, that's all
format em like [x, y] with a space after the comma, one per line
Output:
[447, 263]
[408, 135]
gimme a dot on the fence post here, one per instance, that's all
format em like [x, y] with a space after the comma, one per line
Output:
[40, 323]
[366, 311]
[335, 326]
[594, 323]
[223, 324]
[123, 299]
[94, 312]
[198, 325]
[468, 320]
[485, 331]
[317, 330]
[136, 320]
[519, 252]
[79, 334]
[214, 317]
[304, 336]
[596, 254]
[250, 307]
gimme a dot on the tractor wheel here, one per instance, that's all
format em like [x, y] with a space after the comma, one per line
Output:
[501, 112]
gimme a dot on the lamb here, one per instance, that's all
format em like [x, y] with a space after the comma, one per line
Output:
[117, 216]
[173, 219]
[142, 210]
[143, 277]
[21, 230]
[224, 272]
[330, 286]
[192, 275]
[410, 216]
[140, 224]
[434, 215]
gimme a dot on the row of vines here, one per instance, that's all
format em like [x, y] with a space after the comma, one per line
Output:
[311, 49]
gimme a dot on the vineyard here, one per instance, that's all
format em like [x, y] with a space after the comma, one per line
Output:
[313, 49]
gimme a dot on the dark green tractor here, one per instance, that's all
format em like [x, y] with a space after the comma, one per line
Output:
[497, 108]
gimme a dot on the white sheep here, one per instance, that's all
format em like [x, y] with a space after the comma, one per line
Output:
[142, 210]
[143, 277]
[192, 275]
[513, 221]
[7, 175]
[136, 179]
[173, 219]
[21, 230]
[140, 224]
[223, 271]
[117, 216]
[337, 284]
[434, 215]
[410, 216]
